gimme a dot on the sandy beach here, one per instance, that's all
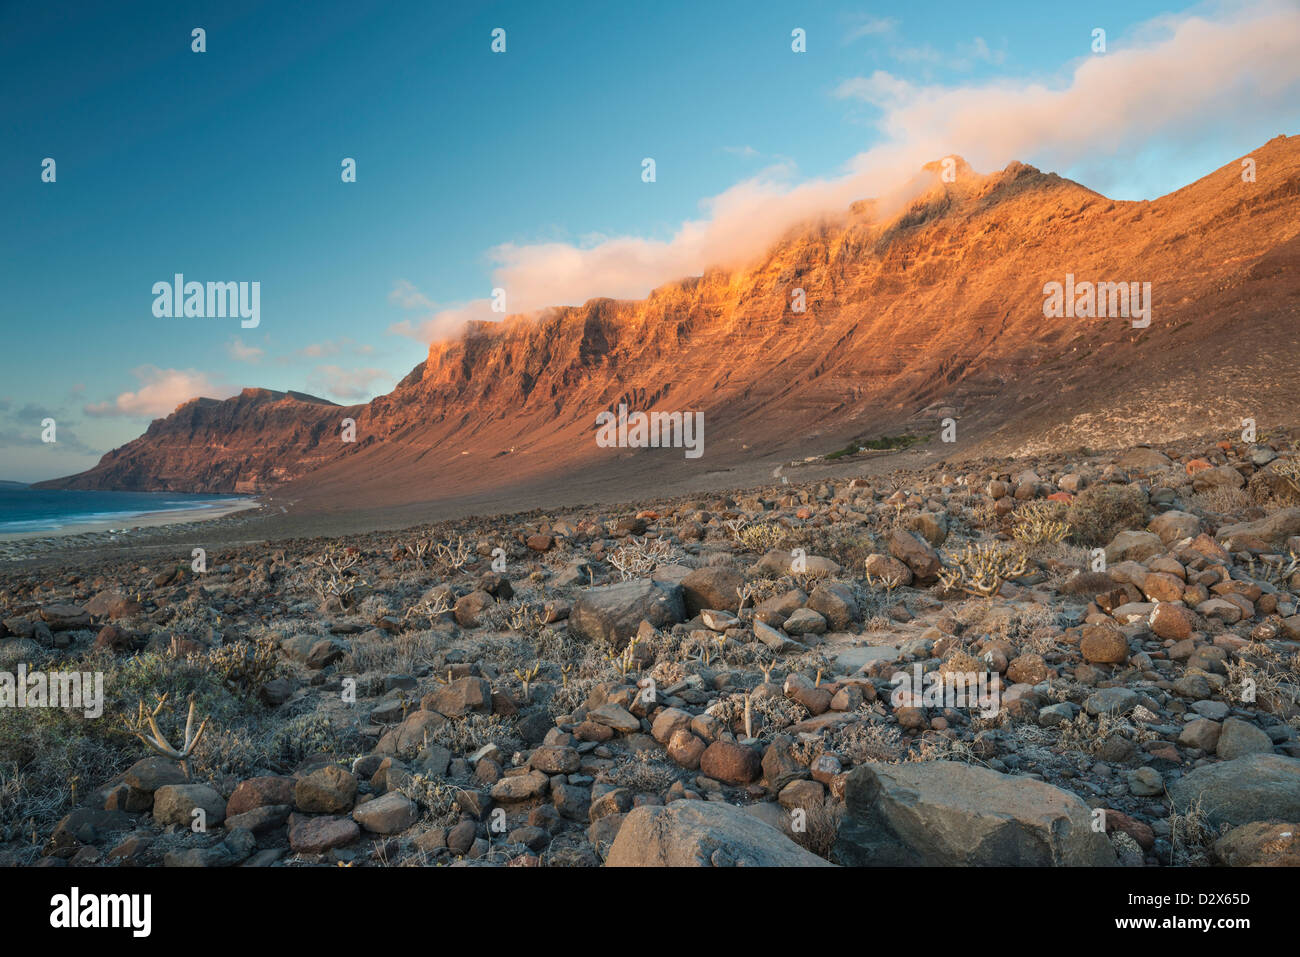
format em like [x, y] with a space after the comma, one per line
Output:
[179, 516]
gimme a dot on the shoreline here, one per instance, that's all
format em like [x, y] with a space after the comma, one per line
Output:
[145, 520]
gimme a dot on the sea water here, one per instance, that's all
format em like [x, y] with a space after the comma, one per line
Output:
[39, 510]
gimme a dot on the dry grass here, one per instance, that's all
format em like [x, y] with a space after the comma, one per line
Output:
[1100, 512]
[1289, 470]
[819, 827]
[1220, 501]
[1264, 679]
[865, 741]
[933, 746]
[982, 569]
[402, 653]
[1191, 836]
[1087, 735]
[468, 734]
[645, 771]
[637, 558]
[1040, 523]
[768, 715]
[761, 538]
[435, 798]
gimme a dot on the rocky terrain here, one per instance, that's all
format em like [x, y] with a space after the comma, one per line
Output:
[706, 680]
[914, 314]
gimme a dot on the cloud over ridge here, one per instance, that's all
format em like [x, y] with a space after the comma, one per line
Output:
[1231, 64]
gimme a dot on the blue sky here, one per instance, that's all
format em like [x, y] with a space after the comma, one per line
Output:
[225, 165]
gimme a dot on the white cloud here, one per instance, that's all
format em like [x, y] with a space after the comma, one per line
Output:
[240, 351]
[351, 385]
[965, 57]
[871, 27]
[1181, 79]
[979, 50]
[879, 89]
[405, 294]
[319, 350]
[161, 391]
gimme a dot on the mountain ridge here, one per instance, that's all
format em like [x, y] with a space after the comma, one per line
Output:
[935, 307]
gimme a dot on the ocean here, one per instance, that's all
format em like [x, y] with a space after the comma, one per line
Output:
[40, 510]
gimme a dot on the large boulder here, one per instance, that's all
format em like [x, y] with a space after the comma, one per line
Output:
[65, 617]
[1133, 546]
[1173, 526]
[411, 733]
[469, 608]
[932, 526]
[316, 835]
[327, 790]
[715, 586]
[837, 604]
[1280, 525]
[916, 553]
[1260, 844]
[520, 787]
[149, 774]
[731, 763]
[703, 834]
[612, 613]
[176, 804]
[781, 561]
[1103, 644]
[112, 604]
[460, 697]
[390, 814]
[1144, 459]
[1239, 738]
[1224, 476]
[945, 813]
[266, 791]
[1257, 787]
[87, 825]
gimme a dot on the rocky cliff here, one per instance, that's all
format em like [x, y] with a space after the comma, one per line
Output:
[932, 311]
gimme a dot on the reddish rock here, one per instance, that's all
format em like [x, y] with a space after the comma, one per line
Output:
[1103, 644]
[686, 748]
[327, 790]
[1140, 832]
[1028, 669]
[111, 638]
[1161, 586]
[112, 605]
[916, 553]
[460, 697]
[316, 835]
[1171, 621]
[731, 763]
[65, 617]
[260, 792]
